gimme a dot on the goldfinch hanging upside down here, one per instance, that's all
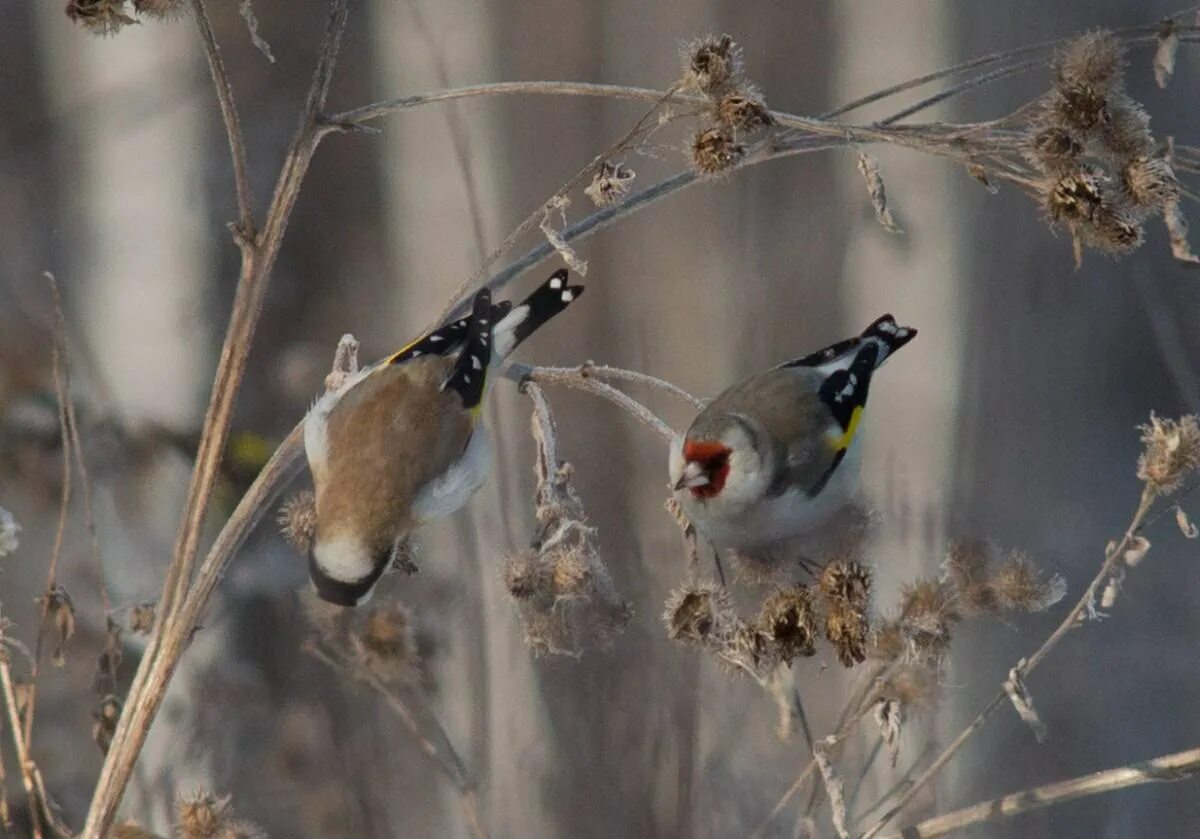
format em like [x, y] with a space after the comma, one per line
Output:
[400, 443]
[773, 456]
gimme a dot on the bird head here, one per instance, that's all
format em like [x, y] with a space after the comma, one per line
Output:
[344, 571]
[720, 459]
[705, 469]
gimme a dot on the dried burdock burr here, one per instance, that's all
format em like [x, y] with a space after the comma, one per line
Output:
[845, 588]
[102, 17]
[699, 613]
[715, 151]
[1171, 451]
[1150, 182]
[160, 9]
[610, 184]
[786, 622]
[298, 521]
[1021, 586]
[711, 64]
[742, 111]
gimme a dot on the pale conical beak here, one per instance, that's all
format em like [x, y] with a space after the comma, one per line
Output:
[693, 476]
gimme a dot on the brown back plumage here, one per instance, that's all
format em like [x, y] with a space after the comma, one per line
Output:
[787, 420]
[389, 436]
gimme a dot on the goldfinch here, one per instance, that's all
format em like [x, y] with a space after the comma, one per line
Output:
[399, 443]
[773, 456]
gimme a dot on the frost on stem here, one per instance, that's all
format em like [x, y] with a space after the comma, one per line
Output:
[564, 594]
[1171, 451]
[8, 533]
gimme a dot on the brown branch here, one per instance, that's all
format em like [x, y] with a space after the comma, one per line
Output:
[1173, 767]
[1111, 559]
[446, 757]
[174, 625]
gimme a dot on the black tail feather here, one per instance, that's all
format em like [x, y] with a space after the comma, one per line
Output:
[470, 370]
[547, 300]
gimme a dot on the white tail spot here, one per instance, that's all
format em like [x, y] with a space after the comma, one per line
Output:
[433, 339]
[475, 362]
[467, 378]
[556, 283]
[567, 296]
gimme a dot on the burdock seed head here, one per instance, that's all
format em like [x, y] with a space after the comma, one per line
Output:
[743, 111]
[698, 613]
[786, 622]
[102, 17]
[1020, 586]
[1171, 450]
[711, 64]
[845, 588]
[298, 521]
[715, 151]
[1150, 182]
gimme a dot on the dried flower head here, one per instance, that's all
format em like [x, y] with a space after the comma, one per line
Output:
[1094, 61]
[786, 622]
[845, 588]
[387, 643]
[1054, 148]
[161, 9]
[1019, 585]
[714, 151]
[1150, 182]
[104, 681]
[1076, 195]
[102, 17]
[8, 533]
[205, 816]
[525, 576]
[106, 715]
[711, 64]
[742, 111]
[1172, 450]
[610, 184]
[699, 613]
[889, 716]
[928, 613]
[571, 574]
[967, 570]
[141, 618]
[60, 609]
[1126, 132]
[298, 521]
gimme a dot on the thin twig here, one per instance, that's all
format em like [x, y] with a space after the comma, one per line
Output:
[473, 282]
[172, 629]
[446, 757]
[233, 127]
[1173, 767]
[1069, 622]
[578, 378]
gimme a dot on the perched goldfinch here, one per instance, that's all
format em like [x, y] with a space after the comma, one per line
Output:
[773, 456]
[400, 443]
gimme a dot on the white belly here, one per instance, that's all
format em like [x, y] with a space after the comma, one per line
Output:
[447, 493]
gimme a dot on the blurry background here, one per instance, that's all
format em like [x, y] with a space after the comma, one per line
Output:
[1012, 418]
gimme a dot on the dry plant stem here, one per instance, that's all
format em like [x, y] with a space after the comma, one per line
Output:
[175, 623]
[1069, 622]
[605, 372]
[532, 220]
[446, 757]
[233, 127]
[578, 378]
[62, 392]
[1171, 767]
[14, 725]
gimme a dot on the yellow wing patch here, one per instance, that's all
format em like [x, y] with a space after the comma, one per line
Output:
[847, 437]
